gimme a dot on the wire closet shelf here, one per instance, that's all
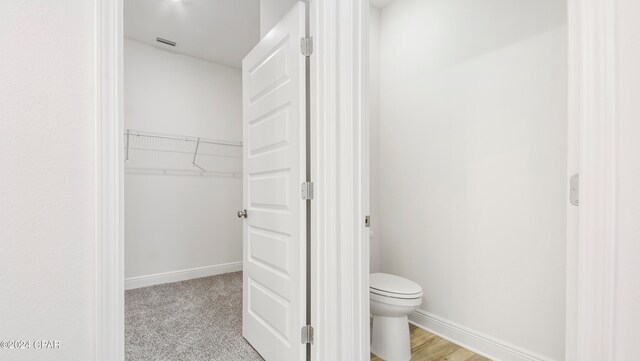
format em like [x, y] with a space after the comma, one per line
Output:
[157, 149]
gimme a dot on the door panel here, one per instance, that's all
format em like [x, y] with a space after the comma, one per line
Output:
[274, 232]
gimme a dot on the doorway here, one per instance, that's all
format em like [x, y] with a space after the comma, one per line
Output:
[215, 119]
[470, 115]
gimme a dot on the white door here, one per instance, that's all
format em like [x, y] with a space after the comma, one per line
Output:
[274, 231]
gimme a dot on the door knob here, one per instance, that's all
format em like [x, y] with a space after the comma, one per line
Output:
[242, 213]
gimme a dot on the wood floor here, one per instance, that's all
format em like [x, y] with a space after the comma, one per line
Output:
[429, 347]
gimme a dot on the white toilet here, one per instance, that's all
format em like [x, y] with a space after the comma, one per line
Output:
[392, 298]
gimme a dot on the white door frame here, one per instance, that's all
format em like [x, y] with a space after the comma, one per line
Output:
[592, 153]
[340, 245]
[340, 242]
[109, 258]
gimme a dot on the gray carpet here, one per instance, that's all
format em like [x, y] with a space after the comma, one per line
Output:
[195, 320]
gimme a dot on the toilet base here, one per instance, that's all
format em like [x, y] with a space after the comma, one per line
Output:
[390, 339]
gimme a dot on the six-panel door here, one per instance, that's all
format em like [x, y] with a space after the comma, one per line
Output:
[274, 255]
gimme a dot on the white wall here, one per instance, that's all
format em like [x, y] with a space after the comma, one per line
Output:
[627, 298]
[271, 11]
[472, 157]
[185, 220]
[47, 182]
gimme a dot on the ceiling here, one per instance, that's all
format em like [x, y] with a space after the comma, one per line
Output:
[380, 3]
[221, 31]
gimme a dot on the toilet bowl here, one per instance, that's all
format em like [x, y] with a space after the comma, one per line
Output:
[392, 299]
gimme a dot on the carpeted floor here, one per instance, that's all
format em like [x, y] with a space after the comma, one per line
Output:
[195, 320]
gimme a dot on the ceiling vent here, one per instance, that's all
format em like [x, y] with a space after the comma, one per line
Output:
[165, 41]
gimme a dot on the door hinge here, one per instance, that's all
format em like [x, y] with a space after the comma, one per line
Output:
[306, 335]
[367, 221]
[306, 46]
[574, 189]
[307, 190]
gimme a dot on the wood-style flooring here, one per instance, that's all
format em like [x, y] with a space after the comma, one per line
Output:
[429, 347]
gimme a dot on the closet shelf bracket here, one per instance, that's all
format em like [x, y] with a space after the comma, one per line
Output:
[195, 154]
[127, 152]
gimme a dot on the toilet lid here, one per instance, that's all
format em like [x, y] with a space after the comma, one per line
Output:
[393, 286]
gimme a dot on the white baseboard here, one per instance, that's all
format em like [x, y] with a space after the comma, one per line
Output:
[472, 340]
[182, 275]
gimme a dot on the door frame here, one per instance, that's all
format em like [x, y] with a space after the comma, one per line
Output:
[339, 241]
[109, 257]
[591, 237]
